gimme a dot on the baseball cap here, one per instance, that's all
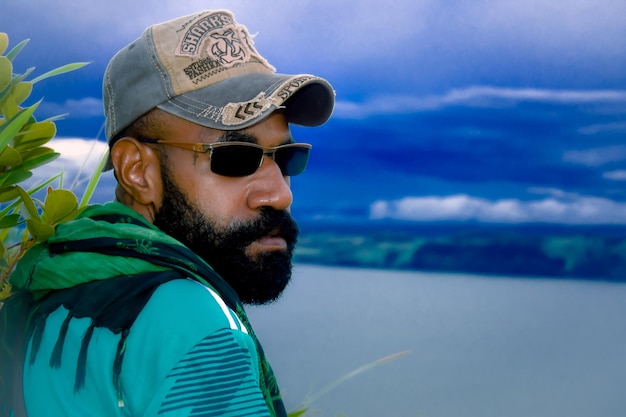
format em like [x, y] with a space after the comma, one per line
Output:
[204, 68]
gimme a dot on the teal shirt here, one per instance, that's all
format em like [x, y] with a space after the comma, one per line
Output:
[187, 354]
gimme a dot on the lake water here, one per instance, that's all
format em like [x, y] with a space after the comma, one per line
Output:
[479, 346]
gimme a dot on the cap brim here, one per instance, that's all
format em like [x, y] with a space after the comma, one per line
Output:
[244, 100]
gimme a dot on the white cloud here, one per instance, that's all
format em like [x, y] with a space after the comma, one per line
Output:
[566, 208]
[479, 94]
[78, 162]
[596, 156]
[618, 127]
[476, 96]
[619, 175]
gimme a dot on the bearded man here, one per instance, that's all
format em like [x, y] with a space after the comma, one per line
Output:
[135, 308]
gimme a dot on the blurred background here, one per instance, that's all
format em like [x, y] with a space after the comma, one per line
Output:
[477, 154]
[477, 126]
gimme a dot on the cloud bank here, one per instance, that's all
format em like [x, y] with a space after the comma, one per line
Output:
[559, 209]
[480, 97]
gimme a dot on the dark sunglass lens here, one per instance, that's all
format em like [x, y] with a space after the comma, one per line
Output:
[292, 160]
[235, 160]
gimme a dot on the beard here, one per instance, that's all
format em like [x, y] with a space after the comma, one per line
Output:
[258, 279]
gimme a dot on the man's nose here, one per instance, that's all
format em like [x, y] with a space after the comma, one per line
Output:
[271, 188]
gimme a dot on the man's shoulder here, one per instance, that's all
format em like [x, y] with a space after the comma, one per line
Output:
[188, 305]
[184, 327]
[179, 315]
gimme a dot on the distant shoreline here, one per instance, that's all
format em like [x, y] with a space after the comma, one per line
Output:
[596, 253]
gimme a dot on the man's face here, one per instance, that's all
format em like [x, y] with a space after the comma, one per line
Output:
[241, 226]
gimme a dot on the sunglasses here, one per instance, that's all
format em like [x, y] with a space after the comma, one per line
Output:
[239, 159]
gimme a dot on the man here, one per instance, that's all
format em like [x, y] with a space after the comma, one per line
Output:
[135, 308]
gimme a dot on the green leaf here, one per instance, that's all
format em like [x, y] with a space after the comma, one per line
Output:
[60, 70]
[93, 181]
[9, 129]
[38, 230]
[16, 50]
[22, 91]
[4, 42]
[9, 157]
[18, 78]
[9, 221]
[35, 153]
[57, 117]
[35, 135]
[7, 194]
[59, 205]
[30, 192]
[6, 72]
[38, 160]
[296, 413]
[14, 177]
[29, 204]
[7, 92]
[31, 144]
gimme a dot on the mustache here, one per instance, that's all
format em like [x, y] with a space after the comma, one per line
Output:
[270, 222]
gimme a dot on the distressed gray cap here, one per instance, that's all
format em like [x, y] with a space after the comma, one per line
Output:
[204, 68]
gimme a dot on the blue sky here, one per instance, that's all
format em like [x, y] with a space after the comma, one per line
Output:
[484, 110]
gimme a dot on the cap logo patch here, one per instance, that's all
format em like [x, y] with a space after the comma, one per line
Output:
[228, 48]
[194, 37]
[214, 42]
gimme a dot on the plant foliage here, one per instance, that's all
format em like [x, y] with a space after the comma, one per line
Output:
[25, 219]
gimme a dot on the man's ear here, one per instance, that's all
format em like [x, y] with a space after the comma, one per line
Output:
[138, 171]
